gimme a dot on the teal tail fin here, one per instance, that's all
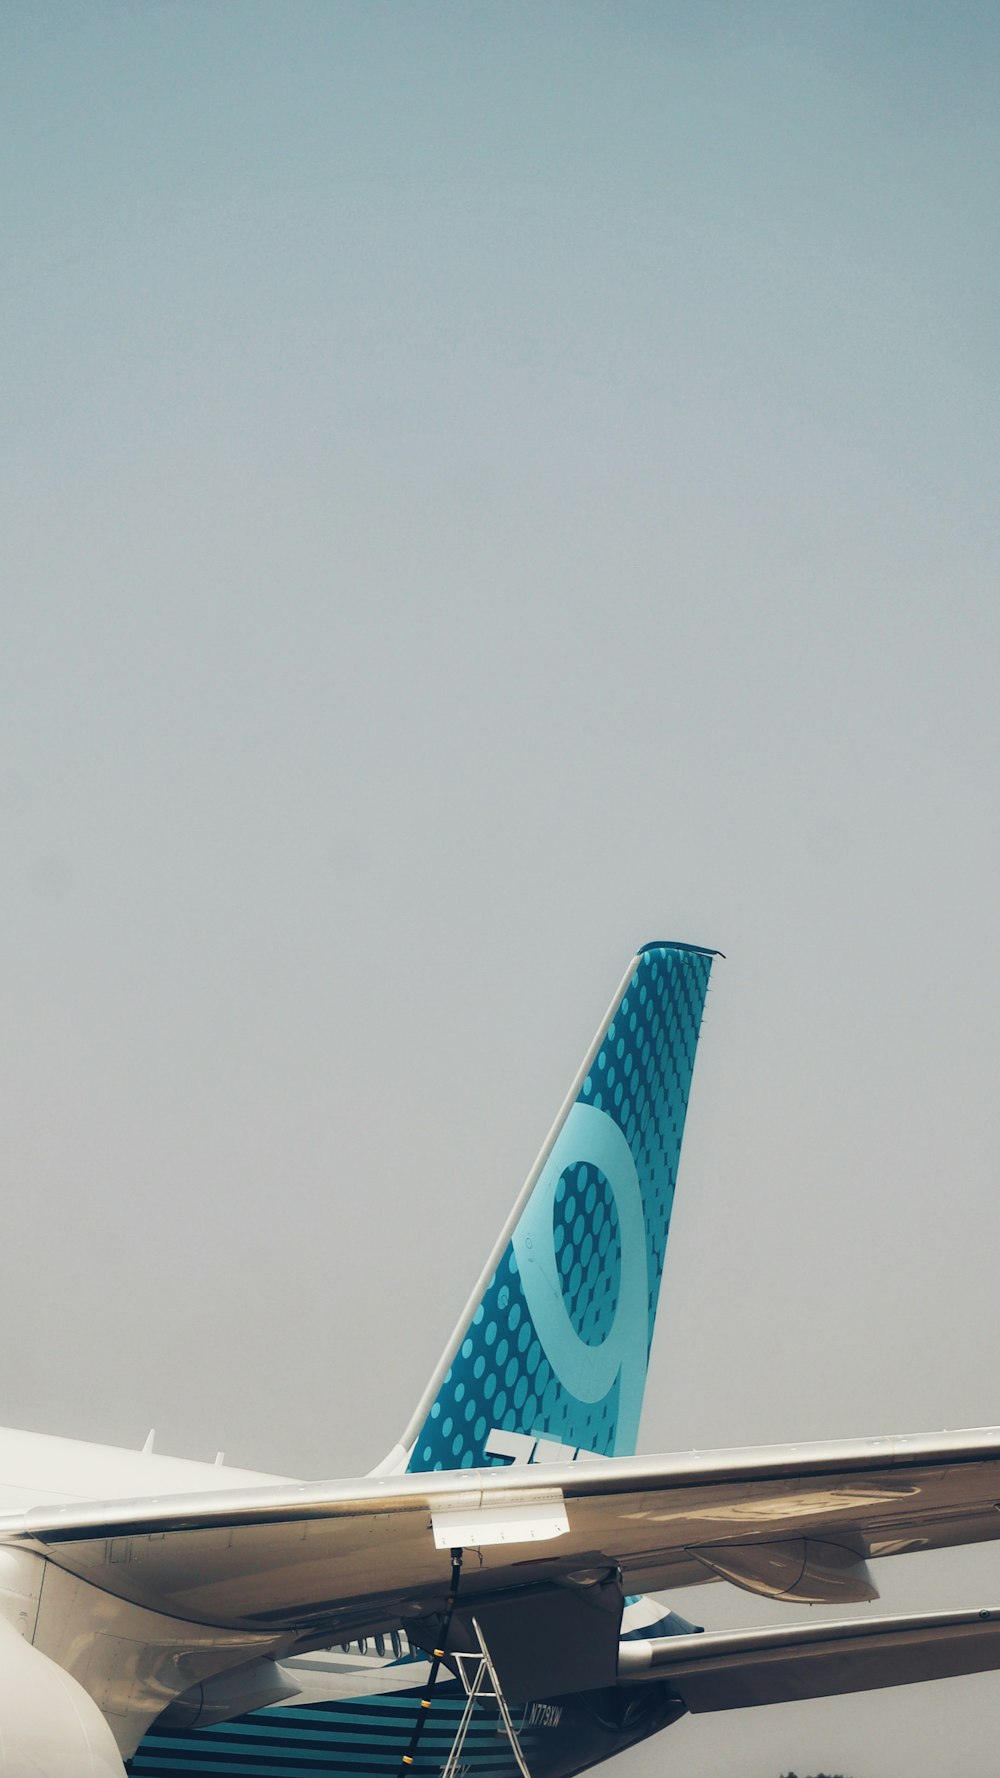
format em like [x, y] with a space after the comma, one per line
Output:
[550, 1356]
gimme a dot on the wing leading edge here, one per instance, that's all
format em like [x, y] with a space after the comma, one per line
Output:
[349, 1558]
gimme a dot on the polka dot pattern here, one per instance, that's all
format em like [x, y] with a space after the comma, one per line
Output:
[501, 1376]
[587, 1242]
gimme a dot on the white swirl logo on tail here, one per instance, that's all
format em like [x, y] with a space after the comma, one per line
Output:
[590, 1138]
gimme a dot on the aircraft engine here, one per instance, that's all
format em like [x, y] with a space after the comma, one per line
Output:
[49, 1726]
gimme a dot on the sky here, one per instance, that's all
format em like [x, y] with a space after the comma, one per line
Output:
[484, 486]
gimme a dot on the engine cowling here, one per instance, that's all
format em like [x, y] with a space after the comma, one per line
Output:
[49, 1726]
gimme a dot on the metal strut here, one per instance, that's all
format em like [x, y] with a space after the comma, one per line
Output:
[474, 1670]
[406, 1763]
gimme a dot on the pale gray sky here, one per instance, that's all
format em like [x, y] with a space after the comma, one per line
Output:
[485, 486]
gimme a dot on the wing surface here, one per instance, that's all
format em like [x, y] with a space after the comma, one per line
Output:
[732, 1670]
[350, 1557]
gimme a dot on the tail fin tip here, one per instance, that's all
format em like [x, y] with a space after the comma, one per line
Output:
[676, 944]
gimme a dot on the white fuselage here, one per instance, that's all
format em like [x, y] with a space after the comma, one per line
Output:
[38, 1470]
[127, 1656]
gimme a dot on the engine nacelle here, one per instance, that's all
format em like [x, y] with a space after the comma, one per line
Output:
[49, 1726]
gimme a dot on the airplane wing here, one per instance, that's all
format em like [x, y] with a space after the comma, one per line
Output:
[731, 1670]
[339, 1560]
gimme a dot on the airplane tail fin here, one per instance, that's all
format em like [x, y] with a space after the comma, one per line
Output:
[551, 1352]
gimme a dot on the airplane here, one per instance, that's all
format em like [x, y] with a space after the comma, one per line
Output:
[480, 1603]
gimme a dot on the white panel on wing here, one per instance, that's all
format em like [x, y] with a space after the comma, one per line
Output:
[500, 1524]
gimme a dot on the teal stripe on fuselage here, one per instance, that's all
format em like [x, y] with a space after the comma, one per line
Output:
[195, 1759]
[494, 1758]
[360, 1736]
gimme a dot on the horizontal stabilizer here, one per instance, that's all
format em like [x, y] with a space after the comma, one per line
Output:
[733, 1669]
